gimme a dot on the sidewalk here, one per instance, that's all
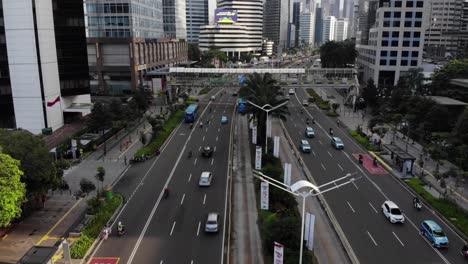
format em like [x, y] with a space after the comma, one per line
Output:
[62, 211]
[353, 119]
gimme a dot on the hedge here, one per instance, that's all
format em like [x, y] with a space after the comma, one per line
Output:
[94, 228]
[158, 140]
[322, 104]
[204, 90]
[364, 141]
[447, 208]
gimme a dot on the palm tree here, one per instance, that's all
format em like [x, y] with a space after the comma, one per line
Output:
[261, 90]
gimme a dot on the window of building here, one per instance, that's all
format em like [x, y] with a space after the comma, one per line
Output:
[383, 53]
[414, 63]
[408, 14]
[415, 43]
[396, 23]
[387, 14]
[385, 34]
[409, 3]
[417, 23]
[419, 3]
[406, 43]
[393, 53]
[392, 62]
[407, 34]
[414, 54]
[394, 43]
[418, 14]
[407, 23]
[404, 63]
[397, 3]
[404, 53]
[417, 34]
[397, 14]
[386, 23]
[383, 62]
[395, 34]
[384, 43]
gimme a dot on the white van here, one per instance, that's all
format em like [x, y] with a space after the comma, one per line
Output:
[291, 91]
[205, 179]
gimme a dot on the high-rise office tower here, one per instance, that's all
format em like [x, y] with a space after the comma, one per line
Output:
[395, 42]
[174, 19]
[329, 27]
[296, 12]
[318, 25]
[307, 27]
[44, 68]
[198, 13]
[123, 47]
[444, 28]
[341, 29]
[275, 24]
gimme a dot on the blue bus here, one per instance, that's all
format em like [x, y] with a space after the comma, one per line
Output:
[242, 105]
[191, 113]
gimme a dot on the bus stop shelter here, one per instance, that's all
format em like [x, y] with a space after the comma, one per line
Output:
[400, 158]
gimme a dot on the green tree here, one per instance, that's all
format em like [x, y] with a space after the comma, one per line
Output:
[40, 173]
[441, 80]
[369, 93]
[213, 54]
[87, 186]
[12, 190]
[338, 54]
[194, 52]
[116, 110]
[141, 101]
[414, 79]
[100, 173]
[100, 117]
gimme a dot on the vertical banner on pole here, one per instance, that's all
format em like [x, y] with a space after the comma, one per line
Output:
[254, 135]
[264, 187]
[258, 158]
[276, 146]
[278, 253]
[268, 127]
[287, 174]
[309, 230]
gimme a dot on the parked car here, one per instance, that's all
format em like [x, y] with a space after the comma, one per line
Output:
[212, 223]
[207, 151]
[205, 179]
[309, 132]
[392, 212]
[337, 143]
[434, 233]
[224, 120]
[305, 146]
[305, 103]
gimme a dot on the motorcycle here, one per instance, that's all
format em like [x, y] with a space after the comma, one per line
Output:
[120, 230]
[360, 159]
[464, 251]
[417, 205]
[166, 193]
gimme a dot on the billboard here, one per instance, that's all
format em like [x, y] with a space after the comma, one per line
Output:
[226, 16]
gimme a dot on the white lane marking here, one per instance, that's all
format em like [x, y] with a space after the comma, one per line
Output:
[214, 150]
[375, 243]
[203, 139]
[199, 148]
[320, 142]
[295, 125]
[352, 209]
[398, 239]
[340, 167]
[161, 262]
[191, 262]
[182, 201]
[224, 111]
[212, 160]
[323, 166]
[355, 185]
[314, 153]
[219, 129]
[329, 154]
[198, 231]
[216, 138]
[375, 210]
[300, 133]
[195, 162]
[172, 229]
[190, 177]
[204, 199]
[206, 130]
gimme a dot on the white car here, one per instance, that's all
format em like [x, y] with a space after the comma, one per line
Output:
[205, 179]
[291, 91]
[213, 98]
[211, 225]
[392, 212]
[305, 103]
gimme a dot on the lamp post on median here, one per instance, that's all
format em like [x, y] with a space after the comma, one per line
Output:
[312, 190]
[267, 108]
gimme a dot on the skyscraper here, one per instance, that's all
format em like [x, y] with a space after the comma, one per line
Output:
[318, 25]
[341, 29]
[307, 27]
[296, 12]
[174, 19]
[329, 27]
[394, 43]
[275, 24]
[44, 67]
[198, 13]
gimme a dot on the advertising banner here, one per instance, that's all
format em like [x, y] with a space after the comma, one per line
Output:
[258, 158]
[309, 231]
[287, 174]
[264, 195]
[278, 253]
[254, 135]
[226, 16]
[276, 146]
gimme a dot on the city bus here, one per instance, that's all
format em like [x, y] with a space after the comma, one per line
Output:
[191, 113]
[241, 105]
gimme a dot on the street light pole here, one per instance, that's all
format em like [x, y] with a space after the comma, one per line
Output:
[313, 191]
[267, 108]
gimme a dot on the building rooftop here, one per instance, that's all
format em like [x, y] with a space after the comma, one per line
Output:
[442, 100]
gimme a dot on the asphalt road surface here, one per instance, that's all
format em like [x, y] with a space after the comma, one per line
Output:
[171, 230]
[357, 206]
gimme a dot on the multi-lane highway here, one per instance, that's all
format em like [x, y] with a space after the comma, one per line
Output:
[357, 206]
[171, 230]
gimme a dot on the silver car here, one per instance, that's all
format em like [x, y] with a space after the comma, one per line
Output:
[212, 223]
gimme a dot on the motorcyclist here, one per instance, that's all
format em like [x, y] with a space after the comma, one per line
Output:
[210, 109]
[120, 228]
[375, 161]
[331, 131]
[416, 201]
[307, 120]
[338, 122]
[166, 192]
[360, 158]
[201, 124]
[190, 154]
